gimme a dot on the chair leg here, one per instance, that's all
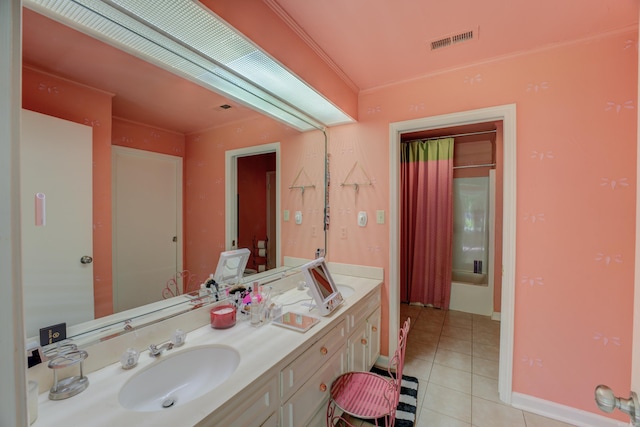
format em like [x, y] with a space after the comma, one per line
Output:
[335, 419]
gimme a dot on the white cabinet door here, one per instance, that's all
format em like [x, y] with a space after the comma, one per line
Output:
[358, 350]
[314, 394]
[373, 338]
[258, 408]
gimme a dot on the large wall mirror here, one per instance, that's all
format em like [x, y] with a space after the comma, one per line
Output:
[141, 115]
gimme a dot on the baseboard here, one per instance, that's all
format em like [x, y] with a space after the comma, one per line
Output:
[495, 316]
[562, 413]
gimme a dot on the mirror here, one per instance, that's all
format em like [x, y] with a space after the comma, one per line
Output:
[70, 75]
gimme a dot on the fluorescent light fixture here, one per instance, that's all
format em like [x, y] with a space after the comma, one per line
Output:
[189, 40]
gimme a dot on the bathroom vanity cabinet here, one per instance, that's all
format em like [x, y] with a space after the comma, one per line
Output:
[283, 377]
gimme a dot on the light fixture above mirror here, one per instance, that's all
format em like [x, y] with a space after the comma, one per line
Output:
[189, 40]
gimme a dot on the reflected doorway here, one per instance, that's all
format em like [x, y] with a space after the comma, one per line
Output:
[252, 175]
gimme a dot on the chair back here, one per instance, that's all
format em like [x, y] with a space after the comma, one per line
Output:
[397, 364]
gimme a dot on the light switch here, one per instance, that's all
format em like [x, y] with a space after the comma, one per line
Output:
[285, 214]
[380, 217]
[298, 217]
[362, 218]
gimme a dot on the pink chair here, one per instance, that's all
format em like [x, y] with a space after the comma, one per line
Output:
[368, 395]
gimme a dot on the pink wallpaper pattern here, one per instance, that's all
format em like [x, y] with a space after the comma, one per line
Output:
[576, 154]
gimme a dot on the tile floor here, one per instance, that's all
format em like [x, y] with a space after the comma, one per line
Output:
[455, 357]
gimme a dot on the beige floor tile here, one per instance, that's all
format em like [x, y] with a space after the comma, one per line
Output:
[485, 388]
[448, 402]
[491, 414]
[418, 368]
[459, 322]
[456, 332]
[534, 420]
[486, 368]
[420, 350]
[490, 326]
[451, 378]
[427, 324]
[429, 418]
[454, 344]
[424, 336]
[483, 351]
[486, 338]
[453, 359]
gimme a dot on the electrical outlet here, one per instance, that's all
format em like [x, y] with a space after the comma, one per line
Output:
[285, 215]
[313, 231]
[380, 217]
[343, 232]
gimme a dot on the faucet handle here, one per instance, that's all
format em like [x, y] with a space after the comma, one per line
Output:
[129, 358]
[178, 338]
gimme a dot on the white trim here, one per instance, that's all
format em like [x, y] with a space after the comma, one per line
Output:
[563, 413]
[13, 405]
[231, 189]
[506, 114]
[495, 316]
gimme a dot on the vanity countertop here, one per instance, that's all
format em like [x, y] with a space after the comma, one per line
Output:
[263, 352]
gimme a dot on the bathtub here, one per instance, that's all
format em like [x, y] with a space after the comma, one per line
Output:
[464, 277]
[471, 292]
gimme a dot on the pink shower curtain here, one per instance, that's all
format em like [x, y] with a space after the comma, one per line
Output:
[427, 221]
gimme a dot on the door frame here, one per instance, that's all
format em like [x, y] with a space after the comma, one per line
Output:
[231, 191]
[506, 114]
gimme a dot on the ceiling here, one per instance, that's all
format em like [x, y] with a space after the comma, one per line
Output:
[369, 43]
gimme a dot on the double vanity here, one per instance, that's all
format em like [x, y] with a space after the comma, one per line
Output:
[246, 375]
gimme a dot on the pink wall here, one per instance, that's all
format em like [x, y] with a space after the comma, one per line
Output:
[576, 153]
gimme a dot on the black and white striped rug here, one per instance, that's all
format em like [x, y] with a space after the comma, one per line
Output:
[406, 411]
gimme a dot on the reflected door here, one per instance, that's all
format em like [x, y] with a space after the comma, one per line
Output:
[147, 226]
[56, 229]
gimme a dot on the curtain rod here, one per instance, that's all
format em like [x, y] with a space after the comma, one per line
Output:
[456, 135]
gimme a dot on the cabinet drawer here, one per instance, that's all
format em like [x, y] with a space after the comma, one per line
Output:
[298, 371]
[314, 394]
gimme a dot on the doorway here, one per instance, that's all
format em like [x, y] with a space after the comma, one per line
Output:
[507, 115]
[232, 233]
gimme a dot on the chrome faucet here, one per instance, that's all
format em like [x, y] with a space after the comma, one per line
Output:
[155, 351]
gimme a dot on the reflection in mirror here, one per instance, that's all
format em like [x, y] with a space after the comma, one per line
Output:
[131, 103]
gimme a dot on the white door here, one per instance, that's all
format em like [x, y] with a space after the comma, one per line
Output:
[147, 226]
[56, 164]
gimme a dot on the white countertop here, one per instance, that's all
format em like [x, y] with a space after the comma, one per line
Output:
[263, 352]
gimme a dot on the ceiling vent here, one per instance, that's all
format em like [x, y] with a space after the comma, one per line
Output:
[453, 39]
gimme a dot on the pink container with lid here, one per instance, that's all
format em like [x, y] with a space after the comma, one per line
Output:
[223, 316]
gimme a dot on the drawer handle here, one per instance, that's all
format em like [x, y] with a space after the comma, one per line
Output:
[374, 328]
[324, 350]
[363, 341]
[323, 387]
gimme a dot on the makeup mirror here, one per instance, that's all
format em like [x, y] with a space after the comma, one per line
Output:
[323, 289]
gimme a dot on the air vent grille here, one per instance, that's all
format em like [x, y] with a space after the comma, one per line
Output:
[453, 39]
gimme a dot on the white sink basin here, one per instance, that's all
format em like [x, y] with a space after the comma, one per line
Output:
[178, 378]
[345, 290]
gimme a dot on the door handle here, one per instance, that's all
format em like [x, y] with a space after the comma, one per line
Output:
[86, 259]
[608, 402]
